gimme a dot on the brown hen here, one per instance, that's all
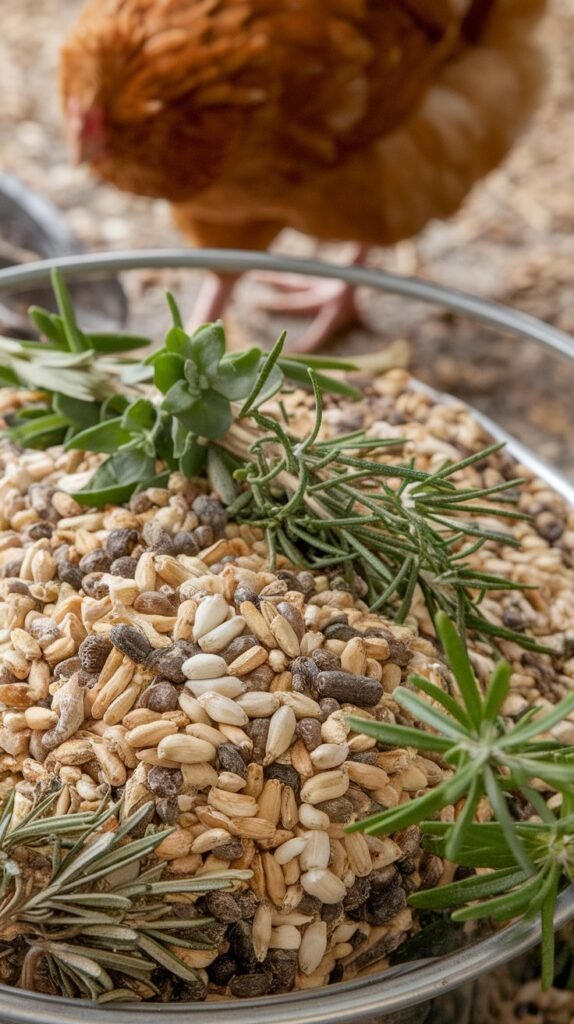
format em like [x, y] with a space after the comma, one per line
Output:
[355, 120]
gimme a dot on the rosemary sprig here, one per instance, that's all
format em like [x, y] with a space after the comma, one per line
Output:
[489, 759]
[94, 909]
[347, 504]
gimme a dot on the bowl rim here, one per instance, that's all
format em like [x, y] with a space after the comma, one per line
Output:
[406, 985]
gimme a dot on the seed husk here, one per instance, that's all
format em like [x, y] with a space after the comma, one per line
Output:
[344, 686]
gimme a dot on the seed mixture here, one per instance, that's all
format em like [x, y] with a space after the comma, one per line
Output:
[148, 653]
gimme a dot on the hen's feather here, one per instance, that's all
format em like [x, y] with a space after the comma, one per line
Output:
[347, 119]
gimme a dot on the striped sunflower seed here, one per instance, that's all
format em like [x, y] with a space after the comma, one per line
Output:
[329, 755]
[229, 686]
[204, 666]
[317, 851]
[325, 786]
[313, 946]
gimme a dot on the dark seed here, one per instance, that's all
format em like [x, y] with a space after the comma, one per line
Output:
[306, 582]
[259, 679]
[339, 810]
[19, 587]
[157, 538]
[326, 661]
[222, 906]
[351, 689]
[331, 911]
[12, 568]
[246, 985]
[231, 850]
[382, 948]
[221, 971]
[94, 586]
[399, 648]
[71, 574]
[184, 543]
[328, 707]
[549, 527]
[309, 730]
[93, 652]
[357, 894]
[131, 642]
[203, 536]
[164, 782]
[37, 531]
[191, 991]
[189, 649]
[210, 512]
[231, 760]
[336, 974]
[408, 839]
[247, 902]
[244, 593]
[238, 646]
[168, 810]
[45, 629]
[340, 631]
[88, 679]
[125, 566]
[285, 773]
[241, 943]
[360, 800]
[257, 730]
[385, 903]
[290, 579]
[364, 757]
[121, 542]
[294, 618]
[140, 503]
[95, 561]
[66, 668]
[310, 905]
[160, 697]
[153, 602]
[40, 498]
[167, 662]
[282, 965]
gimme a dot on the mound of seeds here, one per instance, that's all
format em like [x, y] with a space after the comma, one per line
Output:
[148, 652]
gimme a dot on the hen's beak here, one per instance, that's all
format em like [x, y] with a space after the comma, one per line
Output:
[85, 132]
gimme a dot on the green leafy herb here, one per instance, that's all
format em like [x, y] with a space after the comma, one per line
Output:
[349, 503]
[492, 760]
[98, 912]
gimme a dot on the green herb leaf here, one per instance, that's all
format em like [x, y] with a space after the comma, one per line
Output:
[104, 437]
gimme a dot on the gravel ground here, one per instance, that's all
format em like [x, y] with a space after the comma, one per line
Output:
[511, 242]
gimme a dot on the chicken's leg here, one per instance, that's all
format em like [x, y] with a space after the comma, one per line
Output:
[332, 302]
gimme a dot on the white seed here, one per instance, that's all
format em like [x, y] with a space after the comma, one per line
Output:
[206, 732]
[313, 946]
[210, 613]
[292, 848]
[325, 786]
[150, 733]
[235, 804]
[324, 885]
[185, 749]
[329, 755]
[302, 706]
[281, 731]
[258, 703]
[199, 776]
[231, 782]
[222, 635]
[262, 926]
[317, 851]
[222, 709]
[359, 855]
[287, 936]
[204, 666]
[229, 686]
[312, 817]
[209, 840]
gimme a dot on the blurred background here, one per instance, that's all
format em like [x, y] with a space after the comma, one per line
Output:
[513, 241]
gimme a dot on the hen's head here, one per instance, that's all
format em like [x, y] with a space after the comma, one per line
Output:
[136, 80]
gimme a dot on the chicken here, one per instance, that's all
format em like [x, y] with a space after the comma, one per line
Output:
[349, 120]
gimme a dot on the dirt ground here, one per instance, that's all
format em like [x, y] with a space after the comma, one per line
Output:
[513, 240]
